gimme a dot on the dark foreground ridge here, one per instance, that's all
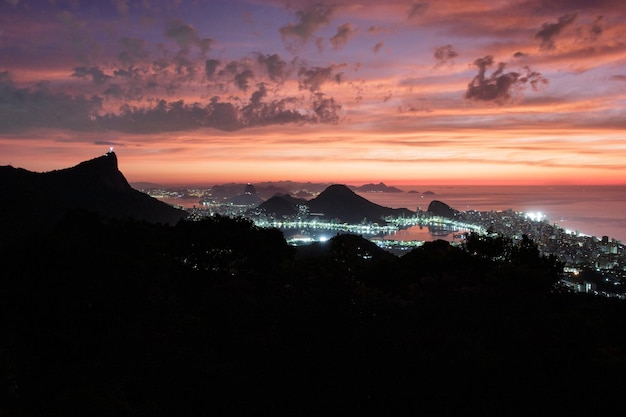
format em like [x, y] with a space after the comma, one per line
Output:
[121, 317]
[31, 200]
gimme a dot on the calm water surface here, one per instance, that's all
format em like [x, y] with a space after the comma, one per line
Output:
[596, 210]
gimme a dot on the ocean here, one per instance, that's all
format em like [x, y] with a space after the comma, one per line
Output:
[590, 210]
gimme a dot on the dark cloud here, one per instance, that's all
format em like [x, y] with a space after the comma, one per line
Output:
[493, 88]
[210, 66]
[257, 96]
[359, 89]
[160, 65]
[309, 21]
[240, 72]
[445, 54]
[497, 87]
[534, 78]
[312, 79]
[242, 79]
[134, 51]
[326, 109]
[186, 36]
[183, 34]
[414, 108]
[377, 47]
[619, 78]
[124, 73]
[205, 44]
[232, 67]
[417, 9]
[107, 143]
[185, 67]
[549, 31]
[130, 72]
[343, 35]
[276, 67]
[223, 116]
[596, 28]
[185, 63]
[179, 116]
[260, 113]
[117, 91]
[114, 90]
[24, 108]
[164, 116]
[519, 55]
[96, 74]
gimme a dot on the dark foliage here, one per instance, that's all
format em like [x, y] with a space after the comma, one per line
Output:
[128, 318]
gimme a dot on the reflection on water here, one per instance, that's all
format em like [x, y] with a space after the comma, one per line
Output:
[427, 234]
[309, 234]
[413, 233]
[593, 210]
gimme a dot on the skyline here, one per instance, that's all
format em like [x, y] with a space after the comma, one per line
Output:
[449, 92]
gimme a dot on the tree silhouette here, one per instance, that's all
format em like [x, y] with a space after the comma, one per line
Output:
[131, 318]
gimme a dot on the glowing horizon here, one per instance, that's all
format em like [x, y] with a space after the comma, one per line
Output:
[451, 92]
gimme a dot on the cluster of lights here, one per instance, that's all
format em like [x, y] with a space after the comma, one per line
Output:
[535, 216]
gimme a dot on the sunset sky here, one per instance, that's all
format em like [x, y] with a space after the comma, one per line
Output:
[352, 91]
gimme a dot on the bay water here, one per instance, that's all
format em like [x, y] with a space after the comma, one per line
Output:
[590, 210]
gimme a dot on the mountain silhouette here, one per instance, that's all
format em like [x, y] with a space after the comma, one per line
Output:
[31, 200]
[377, 188]
[335, 202]
[281, 205]
[439, 208]
[340, 202]
[249, 197]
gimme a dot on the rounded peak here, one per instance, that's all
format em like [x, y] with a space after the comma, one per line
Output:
[102, 169]
[250, 189]
[437, 203]
[338, 188]
[440, 208]
[108, 161]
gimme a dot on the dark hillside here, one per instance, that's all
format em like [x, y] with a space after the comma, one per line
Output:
[281, 205]
[30, 200]
[439, 208]
[338, 201]
[121, 317]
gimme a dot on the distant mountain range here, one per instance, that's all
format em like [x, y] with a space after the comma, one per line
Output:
[266, 190]
[335, 202]
[31, 200]
[377, 188]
